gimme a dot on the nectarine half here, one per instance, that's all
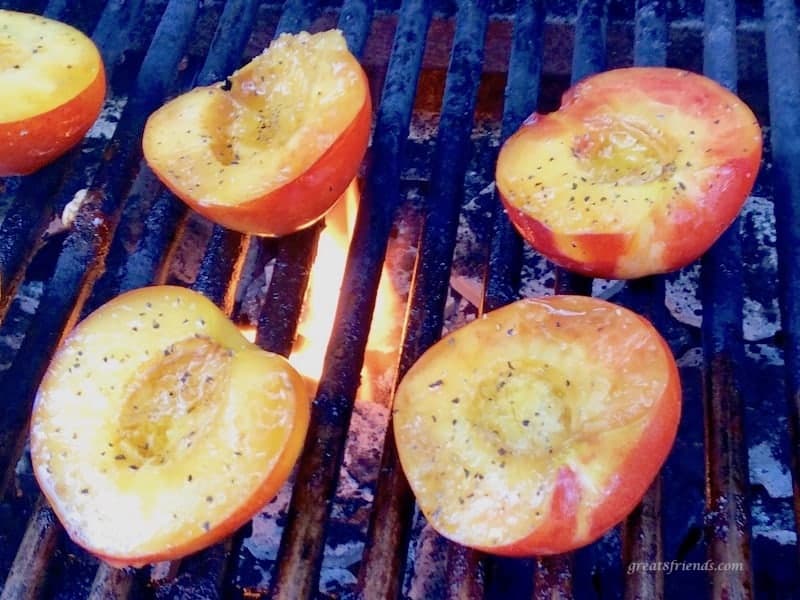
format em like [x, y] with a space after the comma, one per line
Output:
[52, 87]
[158, 429]
[271, 150]
[637, 173]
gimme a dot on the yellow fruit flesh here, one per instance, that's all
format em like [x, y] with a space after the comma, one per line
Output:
[282, 112]
[607, 172]
[482, 437]
[43, 64]
[142, 444]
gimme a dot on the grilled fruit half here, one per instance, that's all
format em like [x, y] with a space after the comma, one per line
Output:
[271, 150]
[637, 173]
[52, 87]
[158, 429]
[536, 429]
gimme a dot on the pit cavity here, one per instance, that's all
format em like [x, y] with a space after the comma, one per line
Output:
[523, 407]
[624, 150]
[172, 401]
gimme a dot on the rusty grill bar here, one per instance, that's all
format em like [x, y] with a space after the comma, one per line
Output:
[702, 506]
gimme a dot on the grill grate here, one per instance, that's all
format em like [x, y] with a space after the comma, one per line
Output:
[703, 505]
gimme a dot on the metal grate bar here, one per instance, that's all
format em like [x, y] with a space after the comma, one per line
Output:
[34, 204]
[553, 578]
[302, 544]
[22, 5]
[642, 538]
[506, 576]
[112, 584]
[642, 530]
[727, 519]
[87, 243]
[650, 34]
[206, 573]
[589, 57]
[783, 67]
[149, 262]
[382, 566]
[280, 312]
[354, 21]
[521, 94]
[75, 12]
[221, 266]
[29, 571]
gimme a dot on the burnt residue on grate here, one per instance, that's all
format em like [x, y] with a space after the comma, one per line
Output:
[734, 437]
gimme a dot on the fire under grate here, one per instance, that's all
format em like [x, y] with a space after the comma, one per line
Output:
[450, 80]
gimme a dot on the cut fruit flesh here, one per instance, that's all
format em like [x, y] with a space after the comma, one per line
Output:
[43, 64]
[547, 398]
[638, 172]
[283, 111]
[158, 428]
[607, 164]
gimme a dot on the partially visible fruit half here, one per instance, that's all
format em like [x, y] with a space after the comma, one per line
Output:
[52, 87]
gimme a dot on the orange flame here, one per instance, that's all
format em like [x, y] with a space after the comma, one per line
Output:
[319, 309]
[327, 272]
[316, 321]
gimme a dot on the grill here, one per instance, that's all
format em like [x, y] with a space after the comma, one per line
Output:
[347, 526]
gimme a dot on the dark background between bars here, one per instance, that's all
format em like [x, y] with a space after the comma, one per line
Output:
[474, 70]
